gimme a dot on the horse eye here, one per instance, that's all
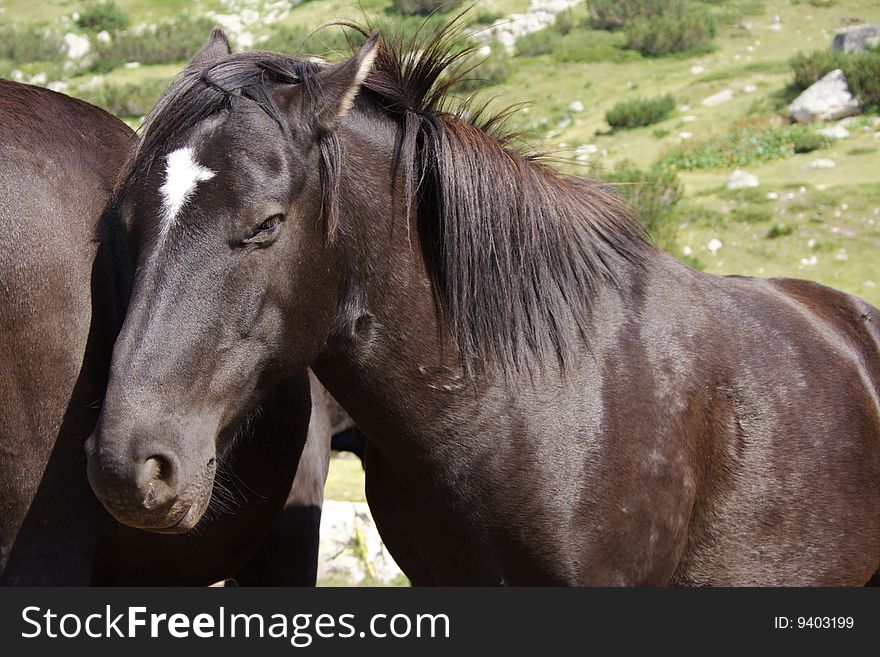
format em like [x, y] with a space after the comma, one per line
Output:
[269, 224]
[265, 232]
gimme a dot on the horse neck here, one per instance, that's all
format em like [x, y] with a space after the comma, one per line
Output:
[385, 351]
[386, 361]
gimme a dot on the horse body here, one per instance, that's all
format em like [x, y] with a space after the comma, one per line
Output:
[60, 159]
[548, 398]
[674, 451]
[64, 284]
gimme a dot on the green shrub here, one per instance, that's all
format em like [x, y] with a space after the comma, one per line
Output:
[807, 141]
[30, 43]
[809, 67]
[300, 40]
[127, 100]
[613, 14]
[491, 70]
[749, 142]
[537, 43]
[751, 214]
[488, 16]
[587, 46]
[564, 22]
[862, 71]
[654, 194]
[640, 112]
[779, 230]
[425, 7]
[580, 45]
[682, 27]
[102, 16]
[174, 40]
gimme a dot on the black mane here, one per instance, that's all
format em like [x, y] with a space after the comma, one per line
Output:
[513, 247]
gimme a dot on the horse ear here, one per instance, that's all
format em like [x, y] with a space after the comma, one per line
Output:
[340, 83]
[216, 48]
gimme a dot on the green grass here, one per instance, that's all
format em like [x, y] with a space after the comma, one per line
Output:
[345, 481]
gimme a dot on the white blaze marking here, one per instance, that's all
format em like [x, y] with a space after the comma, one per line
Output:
[182, 175]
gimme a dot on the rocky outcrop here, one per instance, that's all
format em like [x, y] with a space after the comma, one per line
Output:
[827, 99]
[540, 14]
[857, 38]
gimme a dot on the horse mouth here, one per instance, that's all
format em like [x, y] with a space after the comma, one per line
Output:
[183, 524]
[183, 515]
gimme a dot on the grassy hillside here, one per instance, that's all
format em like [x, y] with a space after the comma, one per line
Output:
[817, 223]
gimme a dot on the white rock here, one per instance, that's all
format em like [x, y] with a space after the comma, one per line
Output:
[131, 65]
[696, 69]
[749, 89]
[586, 149]
[687, 250]
[714, 245]
[688, 119]
[812, 261]
[834, 132]
[685, 134]
[772, 196]
[77, 46]
[825, 100]
[576, 106]
[351, 549]
[716, 99]
[58, 85]
[857, 38]
[39, 79]
[822, 163]
[103, 37]
[741, 179]
[484, 51]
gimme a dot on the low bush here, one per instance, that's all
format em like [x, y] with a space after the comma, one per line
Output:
[640, 112]
[751, 214]
[747, 143]
[425, 7]
[807, 141]
[653, 193]
[100, 16]
[126, 99]
[299, 40]
[683, 27]
[21, 44]
[168, 42]
[537, 43]
[491, 70]
[613, 14]
[862, 71]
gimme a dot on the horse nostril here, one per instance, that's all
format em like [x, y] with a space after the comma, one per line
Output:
[158, 481]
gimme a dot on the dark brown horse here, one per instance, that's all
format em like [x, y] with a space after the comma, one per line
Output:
[549, 399]
[64, 284]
